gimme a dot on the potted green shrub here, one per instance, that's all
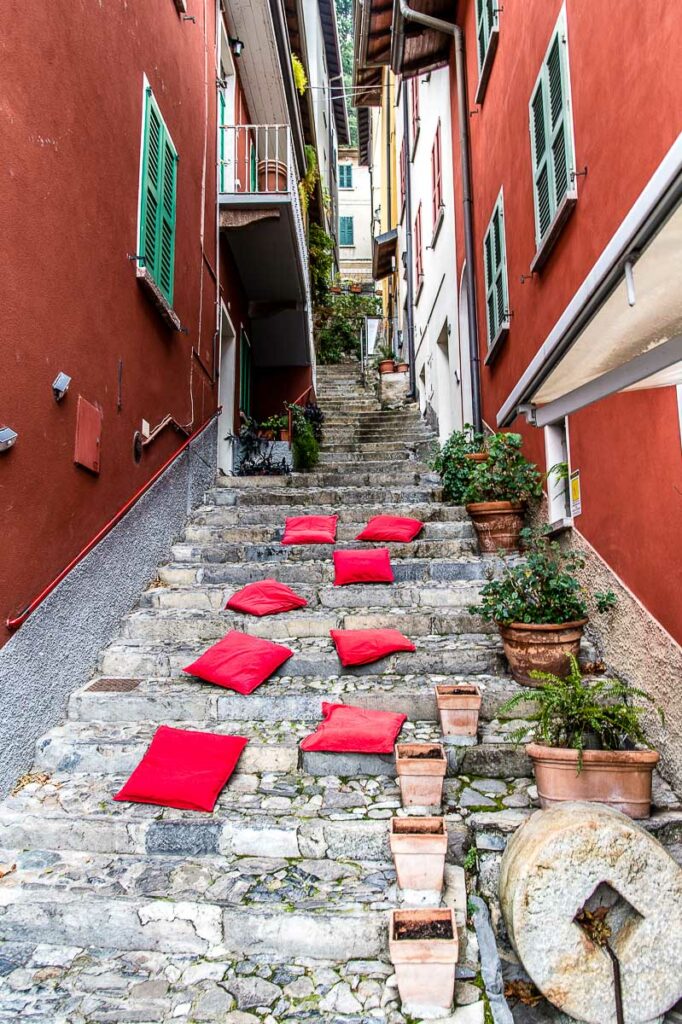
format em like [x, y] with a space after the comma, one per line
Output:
[384, 358]
[539, 607]
[454, 461]
[588, 741]
[498, 492]
[275, 427]
[305, 448]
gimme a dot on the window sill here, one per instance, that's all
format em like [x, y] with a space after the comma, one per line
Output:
[487, 65]
[497, 343]
[438, 225]
[553, 231]
[560, 526]
[167, 312]
[420, 289]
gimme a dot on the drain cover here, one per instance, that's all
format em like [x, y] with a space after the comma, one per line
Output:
[114, 685]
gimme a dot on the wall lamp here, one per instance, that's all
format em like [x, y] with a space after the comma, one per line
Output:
[7, 438]
[60, 385]
[236, 45]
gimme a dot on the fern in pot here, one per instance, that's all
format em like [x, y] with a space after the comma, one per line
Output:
[588, 741]
[539, 607]
[498, 492]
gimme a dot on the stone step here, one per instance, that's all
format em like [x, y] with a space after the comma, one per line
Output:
[387, 459]
[287, 698]
[210, 533]
[415, 570]
[336, 496]
[186, 624]
[219, 552]
[237, 515]
[313, 908]
[316, 657]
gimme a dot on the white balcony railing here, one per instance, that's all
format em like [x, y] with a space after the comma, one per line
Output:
[258, 160]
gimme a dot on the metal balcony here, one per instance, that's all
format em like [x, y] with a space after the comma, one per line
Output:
[262, 222]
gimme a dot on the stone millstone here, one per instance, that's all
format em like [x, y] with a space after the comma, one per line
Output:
[587, 855]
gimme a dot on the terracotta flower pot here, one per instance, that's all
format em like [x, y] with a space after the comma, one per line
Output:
[284, 434]
[386, 366]
[618, 778]
[424, 965]
[543, 648]
[402, 367]
[419, 846]
[458, 707]
[477, 456]
[421, 769]
[272, 176]
[497, 523]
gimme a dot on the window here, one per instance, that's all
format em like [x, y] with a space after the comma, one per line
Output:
[403, 176]
[244, 374]
[496, 285]
[346, 231]
[436, 179]
[414, 110]
[345, 175]
[487, 33]
[558, 474]
[158, 200]
[418, 249]
[551, 134]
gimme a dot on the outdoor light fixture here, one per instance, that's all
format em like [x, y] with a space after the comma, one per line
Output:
[236, 46]
[7, 438]
[60, 385]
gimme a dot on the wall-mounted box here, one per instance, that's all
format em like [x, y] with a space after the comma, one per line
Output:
[88, 435]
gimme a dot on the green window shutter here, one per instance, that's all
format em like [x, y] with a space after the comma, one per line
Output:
[551, 135]
[495, 268]
[346, 231]
[486, 21]
[345, 175]
[158, 205]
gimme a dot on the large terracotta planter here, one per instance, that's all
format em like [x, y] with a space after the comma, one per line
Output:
[421, 769]
[419, 846]
[386, 366]
[424, 967]
[272, 176]
[543, 648]
[458, 706]
[497, 523]
[402, 367]
[618, 778]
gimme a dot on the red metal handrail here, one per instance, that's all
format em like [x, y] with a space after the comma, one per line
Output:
[20, 619]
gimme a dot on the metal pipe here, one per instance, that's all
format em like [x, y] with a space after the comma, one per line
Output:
[617, 987]
[409, 250]
[437, 25]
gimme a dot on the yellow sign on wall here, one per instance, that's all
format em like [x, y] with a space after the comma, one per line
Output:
[576, 496]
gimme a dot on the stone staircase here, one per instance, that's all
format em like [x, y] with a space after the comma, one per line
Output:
[273, 908]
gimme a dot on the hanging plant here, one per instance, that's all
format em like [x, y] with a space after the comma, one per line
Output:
[300, 77]
[306, 186]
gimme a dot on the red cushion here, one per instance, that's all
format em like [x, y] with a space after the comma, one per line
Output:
[360, 646]
[365, 566]
[355, 730]
[310, 530]
[183, 769]
[239, 662]
[397, 528]
[265, 598]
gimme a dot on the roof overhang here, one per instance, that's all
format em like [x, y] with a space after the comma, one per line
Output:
[416, 50]
[332, 51]
[372, 49]
[622, 328]
[384, 251]
[364, 137]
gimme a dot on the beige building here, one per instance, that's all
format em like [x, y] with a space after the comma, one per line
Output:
[355, 217]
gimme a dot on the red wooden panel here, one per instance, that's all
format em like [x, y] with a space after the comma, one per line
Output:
[88, 435]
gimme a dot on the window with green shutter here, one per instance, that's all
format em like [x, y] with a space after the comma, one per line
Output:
[551, 139]
[158, 200]
[496, 283]
[346, 231]
[487, 34]
[345, 175]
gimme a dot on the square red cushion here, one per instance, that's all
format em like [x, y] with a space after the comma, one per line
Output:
[310, 530]
[386, 528]
[365, 566]
[355, 730]
[360, 646]
[183, 769]
[266, 597]
[239, 662]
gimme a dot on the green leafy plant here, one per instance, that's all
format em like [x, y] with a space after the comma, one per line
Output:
[275, 423]
[543, 589]
[506, 475]
[300, 77]
[605, 601]
[580, 715]
[338, 321]
[382, 352]
[307, 184]
[305, 449]
[321, 253]
[455, 470]
[315, 418]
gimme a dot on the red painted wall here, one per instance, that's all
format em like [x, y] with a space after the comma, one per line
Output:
[626, 80]
[275, 386]
[70, 135]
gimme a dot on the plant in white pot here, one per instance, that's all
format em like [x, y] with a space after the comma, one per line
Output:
[589, 742]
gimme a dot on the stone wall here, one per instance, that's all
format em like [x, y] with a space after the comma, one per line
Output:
[393, 389]
[57, 648]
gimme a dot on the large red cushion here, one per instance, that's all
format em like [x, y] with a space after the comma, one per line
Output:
[239, 662]
[371, 565]
[355, 730]
[266, 597]
[387, 528]
[310, 530]
[360, 646]
[183, 769]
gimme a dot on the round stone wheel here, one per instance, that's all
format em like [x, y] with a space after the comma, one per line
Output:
[585, 856]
